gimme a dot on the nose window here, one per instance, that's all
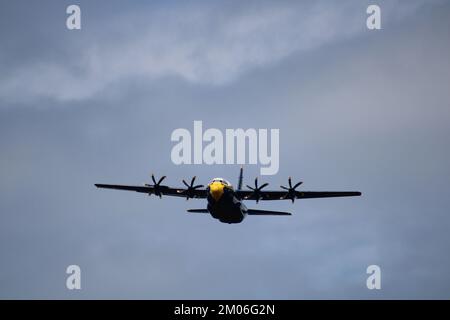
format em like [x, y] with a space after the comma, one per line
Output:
[222, 181]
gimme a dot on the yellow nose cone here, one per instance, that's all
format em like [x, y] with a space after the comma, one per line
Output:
[216, 190]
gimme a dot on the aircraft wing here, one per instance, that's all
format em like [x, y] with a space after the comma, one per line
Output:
[163, 190]
[281, 195]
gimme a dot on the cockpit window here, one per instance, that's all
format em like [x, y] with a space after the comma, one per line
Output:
[221, 180]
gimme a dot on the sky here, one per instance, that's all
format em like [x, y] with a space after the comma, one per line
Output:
[357, 109]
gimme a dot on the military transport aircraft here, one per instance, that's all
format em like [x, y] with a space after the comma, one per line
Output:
[224, 202]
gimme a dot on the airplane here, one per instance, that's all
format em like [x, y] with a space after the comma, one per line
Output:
[224, 203]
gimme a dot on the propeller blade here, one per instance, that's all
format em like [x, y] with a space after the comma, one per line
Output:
[161, 180]
[297, 184]
[291, 192]
[257, 194]
[190, 188]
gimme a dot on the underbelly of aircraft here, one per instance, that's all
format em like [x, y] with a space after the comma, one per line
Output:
[227, 209]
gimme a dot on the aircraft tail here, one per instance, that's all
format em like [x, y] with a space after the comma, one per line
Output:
[198, 210]
[241, 177]
[255, 212]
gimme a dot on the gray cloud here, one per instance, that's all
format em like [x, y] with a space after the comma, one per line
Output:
[204, 44]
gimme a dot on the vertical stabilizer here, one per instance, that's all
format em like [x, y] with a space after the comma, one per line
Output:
[241, 177]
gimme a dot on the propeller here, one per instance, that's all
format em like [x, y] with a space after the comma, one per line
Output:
[290, 194]
[257, 194]
[156, 185]
[191, 188]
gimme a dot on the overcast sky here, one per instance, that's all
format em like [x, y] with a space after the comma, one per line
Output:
[357, 110]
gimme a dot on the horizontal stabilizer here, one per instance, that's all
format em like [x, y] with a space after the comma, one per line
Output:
[255, 212]
[198, 210]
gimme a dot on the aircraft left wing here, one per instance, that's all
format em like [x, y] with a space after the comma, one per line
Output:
[158, 190]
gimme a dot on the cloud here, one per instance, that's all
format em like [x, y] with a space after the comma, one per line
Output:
[206, 45]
